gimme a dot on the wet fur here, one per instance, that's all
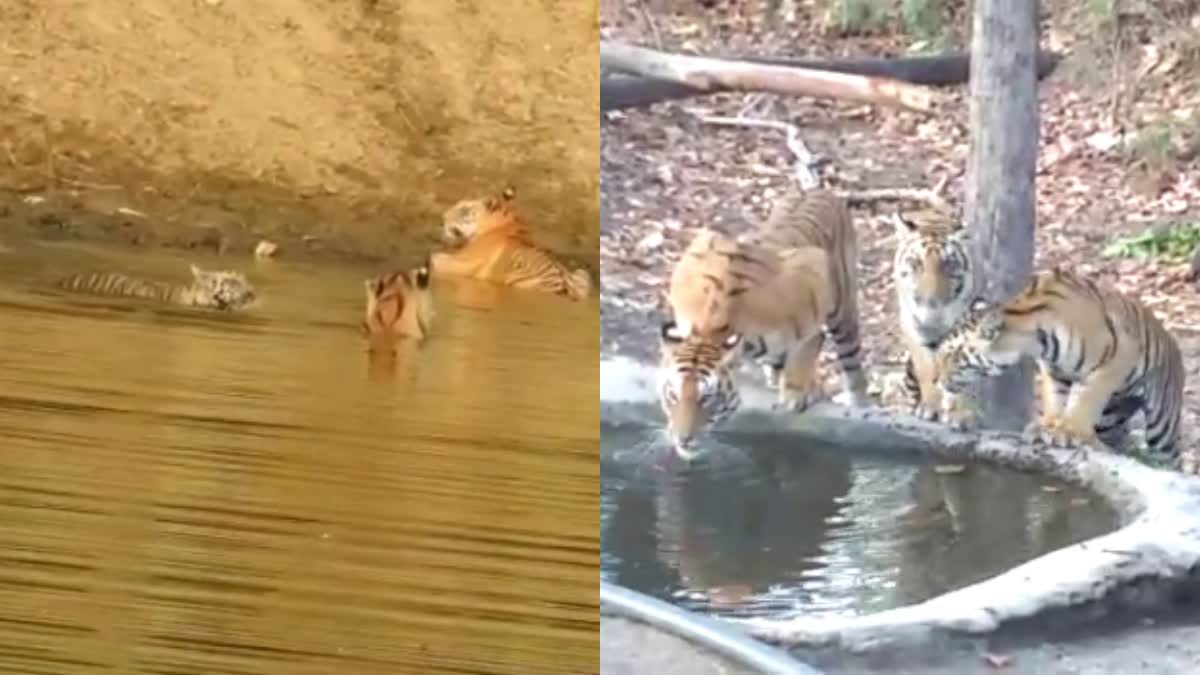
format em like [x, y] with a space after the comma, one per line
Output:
[490, 242]
[935, 279]
[399, 305]
[1102, 355]
[776, 292]
[219, 289]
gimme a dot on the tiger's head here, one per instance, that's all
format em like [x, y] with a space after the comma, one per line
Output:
[934, 273]
[470, 218]
[221, 289]
[399, 303]
[980, 346]
[695, 384]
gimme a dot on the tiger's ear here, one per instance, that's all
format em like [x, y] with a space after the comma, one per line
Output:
[672, 333]
[197, 272]
[980, 304]
[903, 225]
[421, 276]
[509, 193]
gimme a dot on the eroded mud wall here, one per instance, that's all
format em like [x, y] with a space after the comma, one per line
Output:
[348, 122]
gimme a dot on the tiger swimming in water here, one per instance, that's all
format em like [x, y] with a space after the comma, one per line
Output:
[1102, 357]
[776, 293]
[935, 277]
[399, 304]
[491, 242]
[212, 289]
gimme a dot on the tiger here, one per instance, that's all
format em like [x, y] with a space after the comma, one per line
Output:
[399, 304]
[490, 241]
[211, 289]
[935, 277]
[1102, 356]
[776, 292]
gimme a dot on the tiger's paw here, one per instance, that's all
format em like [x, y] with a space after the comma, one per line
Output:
[926, 412]
[1060, 435]
[961, 420]
[960, 413]
[799, 401]
[772, 375]
[855, 399]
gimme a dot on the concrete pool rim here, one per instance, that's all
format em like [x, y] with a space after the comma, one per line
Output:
[1159, 510]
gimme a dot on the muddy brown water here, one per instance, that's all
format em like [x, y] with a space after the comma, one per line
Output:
[192, 492]
[758, 528]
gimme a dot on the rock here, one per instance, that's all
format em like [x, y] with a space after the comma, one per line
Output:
[265, 249]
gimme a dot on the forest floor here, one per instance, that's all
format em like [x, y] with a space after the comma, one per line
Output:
[1119, 157]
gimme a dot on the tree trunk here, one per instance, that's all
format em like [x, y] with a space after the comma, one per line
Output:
[1000, 195]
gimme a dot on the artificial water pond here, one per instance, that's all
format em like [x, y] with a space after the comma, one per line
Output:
[761, 527]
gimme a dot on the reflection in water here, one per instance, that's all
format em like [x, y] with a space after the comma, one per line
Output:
[192, 492]
[771, 529]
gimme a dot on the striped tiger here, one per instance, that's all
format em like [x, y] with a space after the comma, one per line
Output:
[935, 277]
[213, 289]
[776, 292]
[489, 241]
[399, 304]
[1102, 357]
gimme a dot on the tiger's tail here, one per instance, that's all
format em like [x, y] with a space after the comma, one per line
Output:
[1164, 400]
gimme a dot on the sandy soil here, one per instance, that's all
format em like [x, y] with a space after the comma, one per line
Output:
[344, 126]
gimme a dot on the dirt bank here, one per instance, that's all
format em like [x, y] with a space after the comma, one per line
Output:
[343, 126]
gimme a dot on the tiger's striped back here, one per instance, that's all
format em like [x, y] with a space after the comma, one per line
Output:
[1103, 343]
[534, 268]
[211, 289]
[821, 219]
[119, 285]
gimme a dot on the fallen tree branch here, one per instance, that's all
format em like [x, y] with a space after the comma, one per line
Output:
[711, 74]
[806, 161]
[618, 91]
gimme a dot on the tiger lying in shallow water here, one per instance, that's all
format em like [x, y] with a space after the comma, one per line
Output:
[492, 243]
[1102, 355]
[212, 289]
[399, 304]
[773, 295]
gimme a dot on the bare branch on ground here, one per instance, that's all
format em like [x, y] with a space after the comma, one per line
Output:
[712, 74]
[805, 159]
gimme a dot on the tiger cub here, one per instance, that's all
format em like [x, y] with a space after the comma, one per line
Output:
[935, 277]
[490, 242]
[212, 289]
[1102, 355]
[775, 292]
[399, 304]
